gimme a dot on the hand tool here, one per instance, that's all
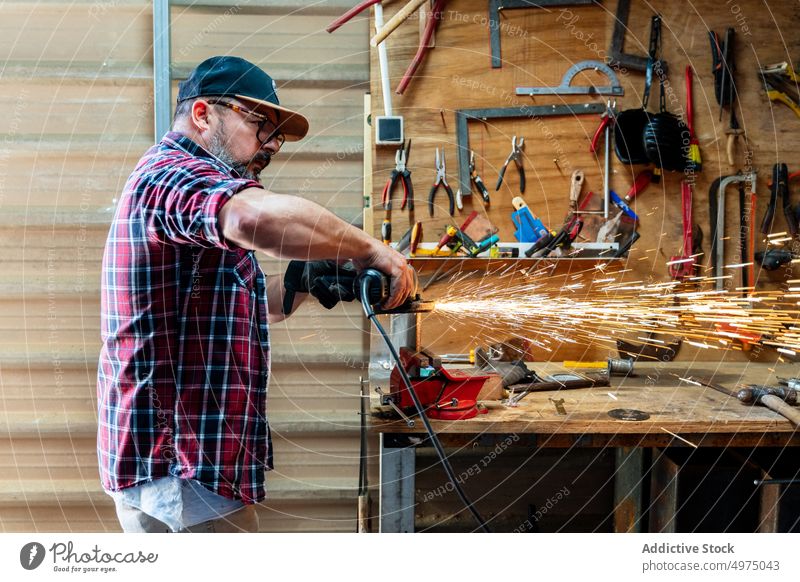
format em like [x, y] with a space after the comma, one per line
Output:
[652, 349]
[347, 16]
[779, 187]
[613, 366]
[404, 241]
[575, 187]
[626, 246]
[780, 82]
[752, 392]
[608, 232]
[451, 230]
[416, 237]
[566, 88]
[791, 383]
[623, 206]
[477, 180]
[640, 184]
[774, 259]
[496, 26]
[400, 16]
[717, 216]
[441, 179]
[519, 112]
[434, 18]
[616, 57]
[695, 161]
[386, 228]
[723, 67]
[529, 227]
[401, 173]
[768, 398]
[571, 382]
[665, 135]
[683, 266]
[629, 125]
[516, 157]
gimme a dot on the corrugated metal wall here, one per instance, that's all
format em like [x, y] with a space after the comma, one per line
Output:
[76, 96]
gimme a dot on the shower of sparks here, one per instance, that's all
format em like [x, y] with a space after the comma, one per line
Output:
[598, 307]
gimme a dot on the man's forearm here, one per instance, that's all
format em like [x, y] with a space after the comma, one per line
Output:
[291, 227]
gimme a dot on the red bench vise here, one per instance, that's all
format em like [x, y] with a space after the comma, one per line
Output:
[444, 394]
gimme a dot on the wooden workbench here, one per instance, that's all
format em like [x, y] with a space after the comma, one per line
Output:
[681, 415]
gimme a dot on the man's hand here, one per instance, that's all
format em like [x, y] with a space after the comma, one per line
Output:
[327, 281]
[403, 282]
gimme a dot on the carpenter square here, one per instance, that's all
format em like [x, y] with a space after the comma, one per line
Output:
[522, 111]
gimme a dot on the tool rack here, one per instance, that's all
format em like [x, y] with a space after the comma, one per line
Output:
[538, 48]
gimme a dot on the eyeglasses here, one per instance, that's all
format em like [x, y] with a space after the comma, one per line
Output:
[267, 130]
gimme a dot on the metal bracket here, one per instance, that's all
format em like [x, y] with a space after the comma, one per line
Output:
[566, 88]
[495, 6]
[616, 57]
[532, 112]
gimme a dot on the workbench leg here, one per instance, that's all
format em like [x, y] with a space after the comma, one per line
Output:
[770, 498]
[663, 492]
[397, 469]
[628, 489]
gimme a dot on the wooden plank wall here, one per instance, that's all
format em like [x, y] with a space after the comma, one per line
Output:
[538, 46]
[76, 91]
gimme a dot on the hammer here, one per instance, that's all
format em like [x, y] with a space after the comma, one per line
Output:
[778, 399]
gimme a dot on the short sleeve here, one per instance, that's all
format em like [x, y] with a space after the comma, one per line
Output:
[182, 204]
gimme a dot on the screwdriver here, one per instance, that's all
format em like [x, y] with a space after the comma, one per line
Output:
[386, 231]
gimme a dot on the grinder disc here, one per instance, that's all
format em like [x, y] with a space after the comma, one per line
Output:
[629, 414]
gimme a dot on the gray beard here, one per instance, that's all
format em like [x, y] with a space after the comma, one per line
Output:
[218, 148]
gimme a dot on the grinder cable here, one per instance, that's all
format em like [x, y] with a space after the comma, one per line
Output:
[364, 290]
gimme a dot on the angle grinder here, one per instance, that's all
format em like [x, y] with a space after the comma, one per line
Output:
[371, 287]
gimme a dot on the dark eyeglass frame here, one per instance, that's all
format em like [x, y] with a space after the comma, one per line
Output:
[275, 133]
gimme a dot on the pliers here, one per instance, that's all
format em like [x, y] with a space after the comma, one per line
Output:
[441, 178]
[400, 171]
[605, 120]
[516, 157]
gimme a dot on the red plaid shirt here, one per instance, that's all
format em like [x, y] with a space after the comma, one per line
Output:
[182, 377]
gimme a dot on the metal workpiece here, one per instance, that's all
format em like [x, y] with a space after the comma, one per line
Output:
[523, 111]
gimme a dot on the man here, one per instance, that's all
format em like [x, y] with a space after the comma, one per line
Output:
[183, 439]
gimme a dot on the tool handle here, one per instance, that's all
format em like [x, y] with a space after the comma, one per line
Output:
[482, 189]
[729, 147]
[521, 177]
[641, 182]
[472, 216]
[689, 108]
[777, 405]
[500, 176]
[408, 189]
[431, 195]
[451, 199]
[686, 210]
[434, 17]
[518, 203]
[401, 16]
[386, 231]
[416, 237]
[603, 123]
[575, 187]
[769, 215]
[350, 14]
